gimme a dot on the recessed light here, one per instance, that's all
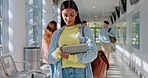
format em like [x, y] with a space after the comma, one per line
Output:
[93, 7]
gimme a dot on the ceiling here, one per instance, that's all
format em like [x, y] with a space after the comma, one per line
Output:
[96, 10]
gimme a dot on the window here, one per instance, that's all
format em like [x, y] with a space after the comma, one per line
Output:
[33, 22]
[136, 30]
[118, 32]
[124, 32]
[55, 11]
[0, 30]
[3, 25]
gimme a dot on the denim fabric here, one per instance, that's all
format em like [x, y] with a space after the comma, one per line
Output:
[73, 72]
[51, 67]
[103, 37]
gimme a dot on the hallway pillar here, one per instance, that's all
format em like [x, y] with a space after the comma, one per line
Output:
[17, 30]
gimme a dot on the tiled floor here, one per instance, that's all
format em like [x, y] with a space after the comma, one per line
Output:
[119, 68]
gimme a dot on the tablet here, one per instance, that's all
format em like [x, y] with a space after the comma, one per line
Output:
[75, 48]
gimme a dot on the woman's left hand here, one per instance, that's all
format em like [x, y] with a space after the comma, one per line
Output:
[64, 55]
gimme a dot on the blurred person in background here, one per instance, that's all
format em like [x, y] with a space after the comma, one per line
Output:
[105, 39]
[84, 23]
[51, 27]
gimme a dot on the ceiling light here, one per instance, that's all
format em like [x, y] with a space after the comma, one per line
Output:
[93, 7]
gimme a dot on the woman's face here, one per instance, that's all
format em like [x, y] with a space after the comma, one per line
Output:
[69, 16]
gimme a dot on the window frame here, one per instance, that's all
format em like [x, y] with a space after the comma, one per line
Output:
[134, 27]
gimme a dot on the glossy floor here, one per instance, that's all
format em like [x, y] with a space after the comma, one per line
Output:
[119, 68]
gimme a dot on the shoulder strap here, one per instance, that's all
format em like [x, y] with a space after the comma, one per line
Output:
[109, 29]
[83, 31]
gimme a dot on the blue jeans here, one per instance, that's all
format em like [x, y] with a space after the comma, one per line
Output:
[51, 66]
[70, 72]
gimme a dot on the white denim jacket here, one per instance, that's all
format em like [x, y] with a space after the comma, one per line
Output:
[86, 57]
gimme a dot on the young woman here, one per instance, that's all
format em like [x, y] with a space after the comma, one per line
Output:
[72, 65]
[51, 27]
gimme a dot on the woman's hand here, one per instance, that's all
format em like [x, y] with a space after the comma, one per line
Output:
[64, 54]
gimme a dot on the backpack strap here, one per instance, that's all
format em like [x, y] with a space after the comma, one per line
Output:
[104, 58]
[83, 31]
[109, 29]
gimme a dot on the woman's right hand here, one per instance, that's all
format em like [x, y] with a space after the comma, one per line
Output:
[64, 54]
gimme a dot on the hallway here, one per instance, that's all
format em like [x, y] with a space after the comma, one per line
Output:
[119, 68]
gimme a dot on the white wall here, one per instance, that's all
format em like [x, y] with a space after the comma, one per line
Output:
[144, 30]
[17, 30]
[137, 59]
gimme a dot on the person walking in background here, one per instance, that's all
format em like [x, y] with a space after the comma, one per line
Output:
[51, 27]
[105, 39]
[84, 23]
[72, 65]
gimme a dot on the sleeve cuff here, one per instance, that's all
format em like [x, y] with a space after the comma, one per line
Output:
[56, 54]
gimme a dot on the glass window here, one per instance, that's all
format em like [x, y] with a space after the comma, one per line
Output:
[55, 11]
[124, 31]
[121, 31]
[95, 28]
[118, 31]
[1, 8]
[136, 30]
[3, 25]
[1, 47]
[33, 35]
[33, 22]
[0, 32]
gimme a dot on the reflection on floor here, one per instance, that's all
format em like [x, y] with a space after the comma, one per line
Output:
[119, 69]
[43, 72]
